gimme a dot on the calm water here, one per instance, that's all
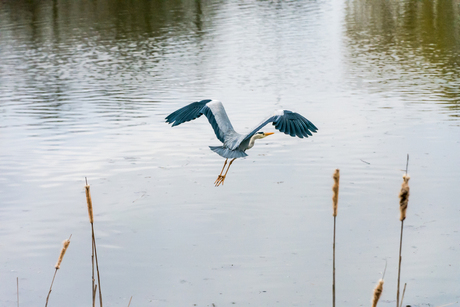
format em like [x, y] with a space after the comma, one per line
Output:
[85, 87]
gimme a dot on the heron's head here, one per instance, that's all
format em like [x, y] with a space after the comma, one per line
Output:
[258, 135]
[261, 135]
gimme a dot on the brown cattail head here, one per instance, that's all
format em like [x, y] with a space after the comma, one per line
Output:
[335, 190]
[90, 204]
[377, 293]
[65, 244]
[404, 197]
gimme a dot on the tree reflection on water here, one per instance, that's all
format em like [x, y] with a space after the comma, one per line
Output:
[399, 43]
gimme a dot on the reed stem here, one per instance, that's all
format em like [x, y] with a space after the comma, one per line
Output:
[402, 297]
[97, 266]
[399, 265]
[333, 265]
[52, 281]
[93, 285]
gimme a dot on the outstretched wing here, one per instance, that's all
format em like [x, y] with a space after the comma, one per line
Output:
[214, 111]
[285, 121]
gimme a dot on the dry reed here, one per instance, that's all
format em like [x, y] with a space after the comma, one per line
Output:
[404, 197]
[61, 255]
[379, 288]
[335, 190]
[94, 261]
[377, 293]
[89, 203]
[335, 200]
[65, 245]
[403, 201]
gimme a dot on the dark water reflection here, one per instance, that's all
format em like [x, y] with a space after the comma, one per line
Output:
[85, 87]
[410, 47]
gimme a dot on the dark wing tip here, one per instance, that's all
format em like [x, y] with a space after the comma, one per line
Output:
[187, 113]
[294, 124]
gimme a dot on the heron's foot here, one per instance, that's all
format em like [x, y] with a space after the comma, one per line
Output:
[220, 180]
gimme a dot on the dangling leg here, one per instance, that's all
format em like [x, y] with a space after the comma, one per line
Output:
[221, 177]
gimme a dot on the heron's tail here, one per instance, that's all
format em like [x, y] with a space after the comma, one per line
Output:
[227, 153]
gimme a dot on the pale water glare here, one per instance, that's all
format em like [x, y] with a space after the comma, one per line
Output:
[84, 90]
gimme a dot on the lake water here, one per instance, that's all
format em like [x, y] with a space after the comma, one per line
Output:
[84, 90]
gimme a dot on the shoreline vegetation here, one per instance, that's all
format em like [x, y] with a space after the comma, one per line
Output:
[377, 292]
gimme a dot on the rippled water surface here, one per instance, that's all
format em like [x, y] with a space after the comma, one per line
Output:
[85, 87]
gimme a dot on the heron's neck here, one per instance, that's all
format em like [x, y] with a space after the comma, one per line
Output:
[253, 140]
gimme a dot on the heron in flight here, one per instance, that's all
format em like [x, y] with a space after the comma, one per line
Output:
[235, 144]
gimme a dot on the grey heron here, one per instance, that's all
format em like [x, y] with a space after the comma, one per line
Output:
[235, 144]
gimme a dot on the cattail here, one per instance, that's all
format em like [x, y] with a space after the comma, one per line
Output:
[93, 248]
[90, 204]
[63, 250]
[404, 197]
[335, 200]
[58, 265]
[335, 189]
[377, 293]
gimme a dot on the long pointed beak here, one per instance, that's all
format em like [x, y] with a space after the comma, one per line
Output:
[268, 133]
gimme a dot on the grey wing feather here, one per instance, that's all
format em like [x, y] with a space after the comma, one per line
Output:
[213, 110]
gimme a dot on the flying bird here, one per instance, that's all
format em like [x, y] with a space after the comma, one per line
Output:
[234, 145]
